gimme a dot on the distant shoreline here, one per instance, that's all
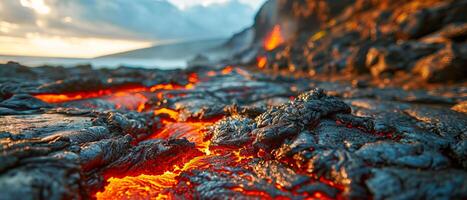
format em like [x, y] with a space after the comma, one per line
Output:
[164, 56]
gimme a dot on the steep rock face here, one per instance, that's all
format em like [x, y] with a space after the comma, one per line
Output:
[423, 40]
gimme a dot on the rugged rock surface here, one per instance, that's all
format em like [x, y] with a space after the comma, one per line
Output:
[399, 41]
[225, 132]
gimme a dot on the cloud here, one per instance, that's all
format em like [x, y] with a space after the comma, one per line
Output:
[129, 23]
[184, 4]
[40, 45]
[125, 19]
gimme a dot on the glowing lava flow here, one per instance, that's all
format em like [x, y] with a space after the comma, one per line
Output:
[193, 131]
[130, 97]
[71, 96]
[274, 38]
[150, 186]
[262, 61]
[116, 92]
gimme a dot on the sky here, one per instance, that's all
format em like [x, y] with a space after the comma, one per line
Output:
[90, 28]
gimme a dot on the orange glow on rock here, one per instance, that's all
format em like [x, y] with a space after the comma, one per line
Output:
[115, 92]
[141, 107]
[274, 38]
[130, 101]
[262, 61]
[227, 70]
[172, 113]
[253, 193]
[147, 186]
[168, 86]
[193, 78]
[211, 73]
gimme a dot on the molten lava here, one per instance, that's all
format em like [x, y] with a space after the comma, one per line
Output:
[227, 70]
[274, 38]
[145, 185]
[120, 91]
[130, 97]
[71, 96]
[262, 61]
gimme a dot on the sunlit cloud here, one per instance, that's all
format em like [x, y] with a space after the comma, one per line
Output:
[6, 27]
[67, 20]
[38, 6]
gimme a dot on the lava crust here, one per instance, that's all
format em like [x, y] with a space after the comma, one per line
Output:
[240, 134]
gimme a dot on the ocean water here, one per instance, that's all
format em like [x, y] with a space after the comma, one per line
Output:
[96, 62]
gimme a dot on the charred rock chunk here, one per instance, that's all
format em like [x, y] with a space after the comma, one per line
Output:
[287, 120]
[86, 135]
[138, 125]
[199, 109]
[343, 167]
[279, 174]
[23, 102]
[152, 157]
[451, 125]
[455, 31]
[407, 155]
[397, 57]
[460, 152]
[303, 142]
[356, 62]
[99, 154]
[447, 64]
[386, 60]
[232, 132]
[333, 136]
[246, 111]
[41, 125]
[414, 26]
[44, 179]
[366, 123]
[393, 183]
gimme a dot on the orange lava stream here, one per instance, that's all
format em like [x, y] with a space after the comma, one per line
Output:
[131, 97]
[261, 62]
[147, 186]
[64, 97]
[274, 38]
[113, 92]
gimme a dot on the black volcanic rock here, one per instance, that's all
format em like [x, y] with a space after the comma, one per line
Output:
[274, 135]
[382, 38]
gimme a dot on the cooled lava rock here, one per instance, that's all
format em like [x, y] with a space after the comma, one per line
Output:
[388, 39]
[210, 133]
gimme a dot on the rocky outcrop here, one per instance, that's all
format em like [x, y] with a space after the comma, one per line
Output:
[387, 39]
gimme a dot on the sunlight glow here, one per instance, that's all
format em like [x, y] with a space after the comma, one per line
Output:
[38, 6]
[6, 27]
[36, 44]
